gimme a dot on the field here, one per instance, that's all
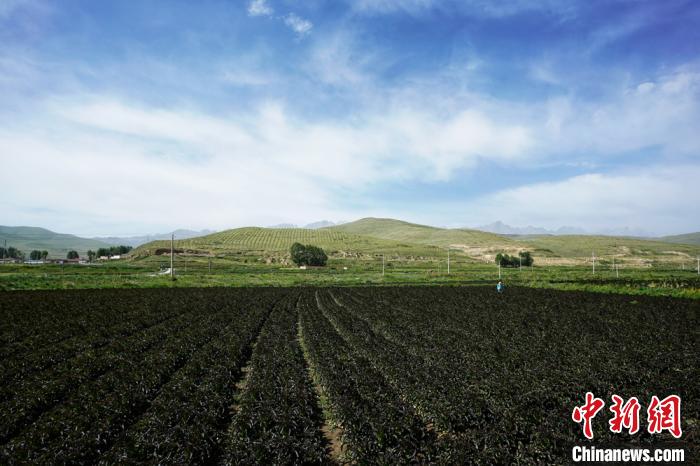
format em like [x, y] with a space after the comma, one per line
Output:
[371, 375]
[252, 270]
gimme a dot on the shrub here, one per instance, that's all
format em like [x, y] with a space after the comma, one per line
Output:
[515, 261]
[308, 255]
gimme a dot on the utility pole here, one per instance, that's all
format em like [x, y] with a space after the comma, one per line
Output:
[210, 265]
[698, 265]
[448, 261]
[172, 257]
[382, 265]
[593, 262]
[499, 270]
[520, 268]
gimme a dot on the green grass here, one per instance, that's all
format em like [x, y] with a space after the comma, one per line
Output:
[227, 271]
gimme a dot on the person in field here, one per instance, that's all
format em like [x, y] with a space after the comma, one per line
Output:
[500, 287]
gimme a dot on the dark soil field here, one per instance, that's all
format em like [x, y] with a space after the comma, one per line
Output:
[380, 375]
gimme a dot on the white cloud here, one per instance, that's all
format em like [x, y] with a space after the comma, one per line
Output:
[486, 8]
[662, 199]
[111, 162]
[662, 113]
[297, 24]
[259, 8]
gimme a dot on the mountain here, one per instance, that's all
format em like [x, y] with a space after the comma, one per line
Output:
[27, 239]
[398, 230]
[275, 243]
[311, 226]
[501, 228]
[321, 224]
[689, 238]
[135, 241]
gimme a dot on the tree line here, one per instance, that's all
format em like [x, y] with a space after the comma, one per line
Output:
[35, 255]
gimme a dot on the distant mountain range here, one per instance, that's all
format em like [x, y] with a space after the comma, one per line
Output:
[311, 226]
[135, 241]
[501, 228]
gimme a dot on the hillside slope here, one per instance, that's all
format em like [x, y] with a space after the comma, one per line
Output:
[474, 243]
[57, 244]
[583, 246]
[689, 238]
[276, 242]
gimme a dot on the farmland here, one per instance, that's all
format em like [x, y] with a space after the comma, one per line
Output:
[315, 375]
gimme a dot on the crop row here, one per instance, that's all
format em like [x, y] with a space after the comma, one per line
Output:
[278, 419]
[378, 427]
[37, 394]
[183, 423]
[526, 358]
[91, 419]
[30, 323]
[16, 370]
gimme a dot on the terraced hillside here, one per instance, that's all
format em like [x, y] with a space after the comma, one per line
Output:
[370, 237]
[474, 243]
[277, 241]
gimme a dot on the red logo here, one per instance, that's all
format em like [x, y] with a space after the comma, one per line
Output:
[661, 415]
[587, 412]
[665, 415]
[626, 415]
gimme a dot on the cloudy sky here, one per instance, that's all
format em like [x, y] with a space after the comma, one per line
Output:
[134, 117]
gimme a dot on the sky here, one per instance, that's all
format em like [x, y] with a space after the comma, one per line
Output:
[135, 117]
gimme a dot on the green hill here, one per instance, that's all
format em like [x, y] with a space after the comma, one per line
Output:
[57, 244]
[689, 238]
[375, 236]
[475, 243]
[275, 242]
[397, 230]
[607, 247]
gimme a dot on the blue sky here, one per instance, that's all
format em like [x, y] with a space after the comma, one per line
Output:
[132, 117]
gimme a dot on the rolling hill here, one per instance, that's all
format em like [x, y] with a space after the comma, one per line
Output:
[57, 244]
[275, 242]
[375, 236]
[689, 238]
[583, 246]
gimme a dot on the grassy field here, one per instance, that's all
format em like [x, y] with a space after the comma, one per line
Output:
[249, 271]
[412, 254]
